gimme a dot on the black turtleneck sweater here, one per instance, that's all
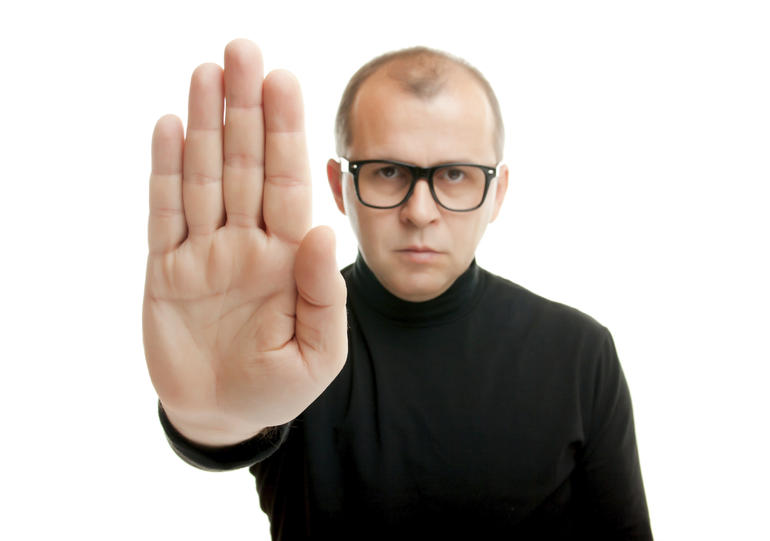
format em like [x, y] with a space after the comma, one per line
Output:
[486, 413]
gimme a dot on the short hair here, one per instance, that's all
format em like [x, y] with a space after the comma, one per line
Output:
[423, 73]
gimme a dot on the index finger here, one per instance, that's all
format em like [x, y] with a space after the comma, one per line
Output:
[286, 203]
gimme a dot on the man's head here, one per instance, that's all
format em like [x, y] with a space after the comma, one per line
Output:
[423, 108]
[422, 72]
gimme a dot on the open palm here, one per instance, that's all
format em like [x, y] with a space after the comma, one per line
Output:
[244, 309]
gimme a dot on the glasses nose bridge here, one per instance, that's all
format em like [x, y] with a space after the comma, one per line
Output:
[422, 173]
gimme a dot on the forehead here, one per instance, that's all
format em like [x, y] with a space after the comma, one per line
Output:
[451, 121]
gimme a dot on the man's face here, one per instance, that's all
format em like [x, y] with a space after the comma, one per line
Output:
[417, 250]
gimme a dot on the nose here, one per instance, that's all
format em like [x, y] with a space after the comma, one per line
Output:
[420, 209]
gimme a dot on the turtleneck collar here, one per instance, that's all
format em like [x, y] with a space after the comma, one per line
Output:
[455, 302]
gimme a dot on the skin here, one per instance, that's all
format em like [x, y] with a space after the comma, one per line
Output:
[419, 249]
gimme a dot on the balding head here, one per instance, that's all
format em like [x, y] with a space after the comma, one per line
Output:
[421, 72]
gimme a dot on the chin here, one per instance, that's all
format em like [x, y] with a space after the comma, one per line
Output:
[420, 290]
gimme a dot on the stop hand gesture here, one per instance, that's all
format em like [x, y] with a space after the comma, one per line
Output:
[244, 309]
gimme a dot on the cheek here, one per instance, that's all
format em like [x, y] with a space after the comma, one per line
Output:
[466, 236]
[375, 229]
[366, 223]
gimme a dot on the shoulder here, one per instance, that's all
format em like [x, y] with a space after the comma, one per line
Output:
[567, 346]
[346, 270]
[557, 320]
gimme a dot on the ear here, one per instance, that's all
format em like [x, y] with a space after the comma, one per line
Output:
[502, 187]
[334, 174]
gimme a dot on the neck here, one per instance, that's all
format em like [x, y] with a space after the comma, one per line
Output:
[460, 296]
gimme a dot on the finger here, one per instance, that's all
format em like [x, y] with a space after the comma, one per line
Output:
[286, 204]
[167, 228]
[244, 134]
[202, 185]
[321, 323]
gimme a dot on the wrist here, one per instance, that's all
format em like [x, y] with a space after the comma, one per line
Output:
[227, 457]
[209, 432]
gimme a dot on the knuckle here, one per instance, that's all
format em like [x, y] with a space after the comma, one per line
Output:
[201, 179]
[165, 212]
[284, 179]
[242, 160]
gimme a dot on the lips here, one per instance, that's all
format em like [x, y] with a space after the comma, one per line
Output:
[418, 249]
[419, 254]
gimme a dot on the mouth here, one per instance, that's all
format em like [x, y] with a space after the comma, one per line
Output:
[418, 254]
[418, 249]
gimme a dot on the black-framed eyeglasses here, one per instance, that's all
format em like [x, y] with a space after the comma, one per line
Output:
[387, 184]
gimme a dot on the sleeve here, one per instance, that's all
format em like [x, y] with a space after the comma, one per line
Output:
[230, 457]
[616, 507]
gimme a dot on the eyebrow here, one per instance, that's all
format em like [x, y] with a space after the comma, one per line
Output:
[388, 157]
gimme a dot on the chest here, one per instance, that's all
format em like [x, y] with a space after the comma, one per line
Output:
[436, 421]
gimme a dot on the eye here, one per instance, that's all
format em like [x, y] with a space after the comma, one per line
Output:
[388, 171]
[454, 175]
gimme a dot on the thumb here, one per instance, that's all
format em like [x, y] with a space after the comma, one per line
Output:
[321, 327]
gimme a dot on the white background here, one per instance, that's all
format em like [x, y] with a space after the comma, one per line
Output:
[638, 137]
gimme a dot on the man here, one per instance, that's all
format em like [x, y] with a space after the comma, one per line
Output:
[419, 396]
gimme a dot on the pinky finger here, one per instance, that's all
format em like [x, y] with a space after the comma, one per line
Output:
[167, 228]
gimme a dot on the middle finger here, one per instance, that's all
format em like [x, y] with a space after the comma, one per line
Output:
[243, 169]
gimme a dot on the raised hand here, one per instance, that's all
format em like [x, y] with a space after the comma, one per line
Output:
[244, 309]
